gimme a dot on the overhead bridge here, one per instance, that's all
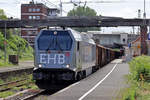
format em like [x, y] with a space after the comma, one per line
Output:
[75, 22]
[98, 21]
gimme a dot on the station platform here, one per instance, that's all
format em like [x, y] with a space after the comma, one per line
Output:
[20, 66]
[105, 84]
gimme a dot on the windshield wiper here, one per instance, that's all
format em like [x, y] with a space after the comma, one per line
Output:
[58, 45]
[50, 45]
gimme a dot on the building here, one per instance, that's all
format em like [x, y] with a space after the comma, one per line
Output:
[35, 11]
[133, 49]
[136, 47]
[110, 40]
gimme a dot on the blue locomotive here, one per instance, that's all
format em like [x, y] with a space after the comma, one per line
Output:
[66, 55]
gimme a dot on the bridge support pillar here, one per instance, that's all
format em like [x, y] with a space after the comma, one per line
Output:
[143, 34]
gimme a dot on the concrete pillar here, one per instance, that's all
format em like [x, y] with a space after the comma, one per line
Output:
[143, 31]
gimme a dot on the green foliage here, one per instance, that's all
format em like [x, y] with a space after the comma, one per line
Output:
[139, 79]
[130, 94]
[18, 44]
[83, 11]
[2, 14]
[140, 66]
[6, 94]
[15, 46]
[1, 41]
[1, 81]
[14, 42]
[4, 17]
[30, 84]
[2, 64]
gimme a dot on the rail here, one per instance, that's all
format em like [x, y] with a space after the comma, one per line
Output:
[10, 85]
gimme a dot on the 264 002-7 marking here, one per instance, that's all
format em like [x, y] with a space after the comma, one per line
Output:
[52, 58]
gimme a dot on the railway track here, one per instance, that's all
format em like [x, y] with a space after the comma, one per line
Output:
[26, 94]
[10, 85]
[33, 95]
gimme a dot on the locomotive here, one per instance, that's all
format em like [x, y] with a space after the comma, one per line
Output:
[67, 55]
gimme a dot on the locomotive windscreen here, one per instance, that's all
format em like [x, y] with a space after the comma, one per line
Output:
[55, 40]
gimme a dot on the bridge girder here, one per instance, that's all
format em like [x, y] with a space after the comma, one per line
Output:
[75, 22]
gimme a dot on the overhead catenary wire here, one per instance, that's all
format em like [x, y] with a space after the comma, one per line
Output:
[56, 6]
[52, 4]
[45, 2]
[11, 15]
[77, 3]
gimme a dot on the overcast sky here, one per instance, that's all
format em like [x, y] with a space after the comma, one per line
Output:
[124, 8]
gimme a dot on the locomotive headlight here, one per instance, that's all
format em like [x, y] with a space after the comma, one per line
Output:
[74, 69]
[40, 65]
[67, 66]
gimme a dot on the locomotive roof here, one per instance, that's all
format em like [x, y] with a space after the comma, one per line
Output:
[81, 36]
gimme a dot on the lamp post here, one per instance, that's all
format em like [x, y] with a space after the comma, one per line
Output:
[61, 7]
[144, 14]
[5, 45]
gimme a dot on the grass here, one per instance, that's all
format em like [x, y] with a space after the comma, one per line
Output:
[5, 64]
[8, 64]
[138, 80]
[6, 94]
[17, 89]
[10, 79]
[14, 90]
[25, 55]
[1, 81]
[26, 59]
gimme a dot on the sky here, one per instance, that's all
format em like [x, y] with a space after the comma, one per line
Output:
[123, 8]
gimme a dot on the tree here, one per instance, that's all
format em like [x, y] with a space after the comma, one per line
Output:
[2, 15]
[83, 11]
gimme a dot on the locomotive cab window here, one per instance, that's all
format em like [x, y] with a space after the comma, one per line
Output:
[55, 40]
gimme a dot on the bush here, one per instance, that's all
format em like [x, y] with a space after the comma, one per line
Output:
[130, 95]
[2, 41]
[140, 66]
[138, 77]
[15, 46]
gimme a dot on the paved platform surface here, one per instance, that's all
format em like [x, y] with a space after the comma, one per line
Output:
[22, 65]
[105, 84]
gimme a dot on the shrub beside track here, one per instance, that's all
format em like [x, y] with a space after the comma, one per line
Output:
[139, 80]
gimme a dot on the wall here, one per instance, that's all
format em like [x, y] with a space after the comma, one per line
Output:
[110, 39]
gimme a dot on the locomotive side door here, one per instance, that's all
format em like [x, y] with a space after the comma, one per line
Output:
[78, 56]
